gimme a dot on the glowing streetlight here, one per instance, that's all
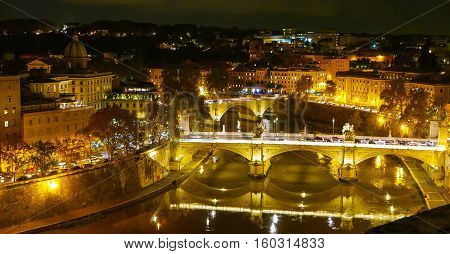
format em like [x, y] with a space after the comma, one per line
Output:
[404, 128]
[333, 125]
[52, 185]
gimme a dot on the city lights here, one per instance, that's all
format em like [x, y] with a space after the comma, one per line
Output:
[195, 127]
[52, 185]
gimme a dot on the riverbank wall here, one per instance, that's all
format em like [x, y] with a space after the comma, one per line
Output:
[47, 197]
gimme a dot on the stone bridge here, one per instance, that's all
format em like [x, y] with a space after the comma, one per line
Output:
[259, 152]
[217, 108]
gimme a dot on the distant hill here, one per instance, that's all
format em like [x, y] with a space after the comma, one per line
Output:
[123, 26]
[26, 25]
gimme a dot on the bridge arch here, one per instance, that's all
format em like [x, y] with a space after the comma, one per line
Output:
[218, 108]
[191, 149]
[333, 154]
[431, 159]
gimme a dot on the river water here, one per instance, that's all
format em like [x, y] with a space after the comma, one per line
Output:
[299, 196]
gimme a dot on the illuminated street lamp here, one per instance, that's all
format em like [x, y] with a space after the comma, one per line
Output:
[404, 128]
[333, 125]
[275, 126]
[382, 121]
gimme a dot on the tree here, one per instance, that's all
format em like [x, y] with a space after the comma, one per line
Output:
[427, 60]
[418, 112]
[330, 89]
[72, 148]
[355, 120]
[217, 79]
[170, 79]
[302, 87]
[394, 99]
[189, 76]
[117, 130]
[17, 158]
[43, 156]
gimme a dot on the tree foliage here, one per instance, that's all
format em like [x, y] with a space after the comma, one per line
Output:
[395, 100]
[189, 76]
[218, 79]
[117, 130]
[330, 89]
[418, 112]
[303, 85]
[43, 155]
[17, 158]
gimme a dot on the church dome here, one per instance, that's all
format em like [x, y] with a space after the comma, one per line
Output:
[75, 54]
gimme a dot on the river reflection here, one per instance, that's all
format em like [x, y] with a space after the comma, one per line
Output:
[299, 196]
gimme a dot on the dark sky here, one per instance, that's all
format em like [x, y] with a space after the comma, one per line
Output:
[342, 15]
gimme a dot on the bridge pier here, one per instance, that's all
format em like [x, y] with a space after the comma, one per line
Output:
[256, 170]
[348, 173]
[349, 169]
[259, 169]
[178, 163]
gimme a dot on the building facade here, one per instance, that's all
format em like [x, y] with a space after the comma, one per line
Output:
[90, 88]
[360, 90]
[50, 87]
[10, 118]
[439, 91]
[288, 77]
[49, 121]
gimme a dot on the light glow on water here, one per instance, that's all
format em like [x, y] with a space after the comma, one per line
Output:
[399, 177]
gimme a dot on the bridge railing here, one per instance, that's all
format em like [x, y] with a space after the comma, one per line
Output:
[300, 135]
[313, 138]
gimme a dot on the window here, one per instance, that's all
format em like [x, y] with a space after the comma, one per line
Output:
[5, 111]
[9, 99]
[6, 124]
[14, 110]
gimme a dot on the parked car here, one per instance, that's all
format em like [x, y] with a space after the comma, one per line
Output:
[76, 168]
[337, 139]
[52, 172]
[23, 178]
[319, 139]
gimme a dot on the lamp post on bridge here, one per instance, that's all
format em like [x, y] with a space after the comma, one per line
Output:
[333, 126]
[275, 126]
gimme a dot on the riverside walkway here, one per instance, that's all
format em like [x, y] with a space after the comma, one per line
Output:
[432, 195]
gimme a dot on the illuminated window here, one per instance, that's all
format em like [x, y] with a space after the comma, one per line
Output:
[5, 111]
[6, 124]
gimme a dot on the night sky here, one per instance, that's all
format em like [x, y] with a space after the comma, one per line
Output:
[309, 15]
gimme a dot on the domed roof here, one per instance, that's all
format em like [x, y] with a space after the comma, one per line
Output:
[75, 49]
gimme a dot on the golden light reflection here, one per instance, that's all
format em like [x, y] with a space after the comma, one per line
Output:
[391, 208]
[380, 162]
[399, 177]
[370, 216]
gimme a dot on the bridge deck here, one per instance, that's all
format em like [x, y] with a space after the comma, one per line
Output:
[298, 139]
